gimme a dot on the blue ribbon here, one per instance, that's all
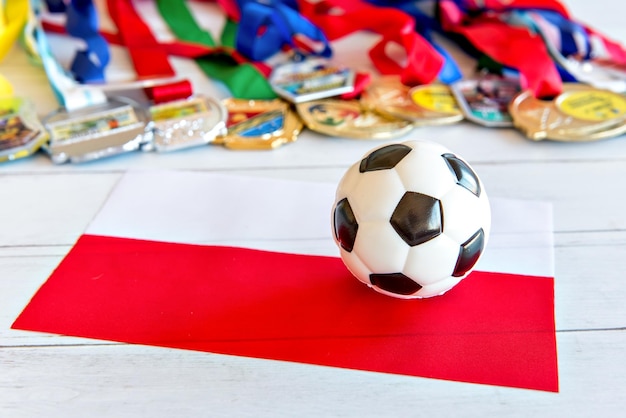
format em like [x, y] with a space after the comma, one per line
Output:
[63, 84]
[266, 27]
[568, 30]
[82, 22]
[55, 6]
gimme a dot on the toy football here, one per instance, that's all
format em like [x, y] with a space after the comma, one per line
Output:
[411, 219]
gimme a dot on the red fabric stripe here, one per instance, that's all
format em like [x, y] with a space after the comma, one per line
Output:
[492, 328]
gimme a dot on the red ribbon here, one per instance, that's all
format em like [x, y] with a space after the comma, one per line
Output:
[510, 46]
[149, 59]
[338, 18]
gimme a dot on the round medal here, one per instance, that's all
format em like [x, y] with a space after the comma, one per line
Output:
[348, 118]
[259, 124]
[430, 104]
[579, 113]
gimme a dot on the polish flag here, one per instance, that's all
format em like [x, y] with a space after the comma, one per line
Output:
[247, 266]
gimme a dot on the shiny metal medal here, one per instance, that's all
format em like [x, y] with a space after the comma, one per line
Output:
[348, 118]
[485, 100]
[259, 124]
[311, 79]
[21, 133]
[185, 123]
[430, 104]
[94, 132]
[579, 113]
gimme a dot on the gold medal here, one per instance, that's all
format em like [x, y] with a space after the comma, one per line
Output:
[259, 124]
[348, 118]
[21, 133]
[429, 104]
[579, 113]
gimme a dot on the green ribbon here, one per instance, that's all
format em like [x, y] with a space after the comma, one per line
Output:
[242, 79]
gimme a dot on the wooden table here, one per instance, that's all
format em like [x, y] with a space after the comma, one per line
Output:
[44, 208]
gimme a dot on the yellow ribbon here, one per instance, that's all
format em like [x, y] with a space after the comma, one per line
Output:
[13, 17]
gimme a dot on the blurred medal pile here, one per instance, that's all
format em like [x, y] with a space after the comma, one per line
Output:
[537, 69]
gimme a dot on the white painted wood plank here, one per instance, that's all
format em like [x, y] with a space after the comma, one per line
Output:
[50, 209]
[125, 381]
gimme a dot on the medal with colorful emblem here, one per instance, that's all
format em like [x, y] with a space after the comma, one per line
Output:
[311, 79]
[579, 113]
[93, 132]
[348, 118]
[429, 104]
[485, 100]
[259, 124]
[21, 133]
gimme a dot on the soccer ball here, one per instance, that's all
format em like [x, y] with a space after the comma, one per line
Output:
[411, 219]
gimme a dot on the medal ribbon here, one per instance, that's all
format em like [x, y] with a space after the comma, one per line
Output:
[269, 27]
[338, 18]
[244, 79]
[149, 59]
[561, 37]
[520, 20]
[425, 23]
[301, 48]
[514, 47]
[566, 38]
[82, 22]
[67, 91]
[13, 16]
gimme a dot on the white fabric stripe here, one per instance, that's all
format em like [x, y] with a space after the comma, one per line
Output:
[288, 216]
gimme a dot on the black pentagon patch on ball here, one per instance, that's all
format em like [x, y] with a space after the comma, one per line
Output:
[469, 253]
[345, 225]
[396, 283]
[417, 218]
[465, 176]
[384, 158]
